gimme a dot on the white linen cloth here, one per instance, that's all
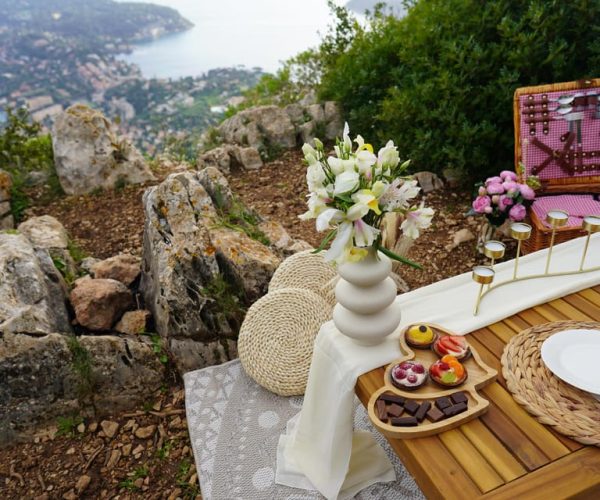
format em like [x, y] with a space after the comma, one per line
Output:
[319, 450]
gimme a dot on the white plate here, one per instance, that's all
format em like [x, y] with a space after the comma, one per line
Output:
[573, 355]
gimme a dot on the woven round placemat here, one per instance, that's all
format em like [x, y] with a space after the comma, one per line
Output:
[568, 410]
[303, 270]
[277, 338]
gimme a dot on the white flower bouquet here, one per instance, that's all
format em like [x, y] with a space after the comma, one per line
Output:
[352, 191]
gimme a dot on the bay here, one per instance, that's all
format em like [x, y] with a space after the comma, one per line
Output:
[230, 33]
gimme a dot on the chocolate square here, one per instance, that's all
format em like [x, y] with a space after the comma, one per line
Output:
[381, 411]
[392, 398]
[443, 403]
[422, 411]
[435, 415]
[411, 407]
[459, 397]
[404, 422]
[395, 410]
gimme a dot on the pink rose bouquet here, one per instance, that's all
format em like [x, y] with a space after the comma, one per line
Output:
[503, 197]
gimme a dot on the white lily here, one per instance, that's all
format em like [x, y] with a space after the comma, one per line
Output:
[315, 176]
[398, 195]
[310, 153]
[364, 235]
[346, 182]
[388, 156]
[317, 202]
[365, 160]
[338, 165]
[417, 219]
[367, 199]
[328, 217]
[342, 240]
[346, 138]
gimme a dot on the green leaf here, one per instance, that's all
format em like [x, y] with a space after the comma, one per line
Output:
[326, 240]
[399, 258]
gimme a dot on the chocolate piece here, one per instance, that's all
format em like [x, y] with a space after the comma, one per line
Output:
[451, 411]
[381, 411]
[443, 403]
[435, 415]
[459, 397]
[411, 407]
[392, 398]
[395, 410]
[422, 411]
[404, 422]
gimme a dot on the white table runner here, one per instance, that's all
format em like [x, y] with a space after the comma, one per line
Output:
[319, 450]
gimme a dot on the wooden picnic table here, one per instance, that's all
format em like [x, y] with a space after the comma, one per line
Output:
[505, 453]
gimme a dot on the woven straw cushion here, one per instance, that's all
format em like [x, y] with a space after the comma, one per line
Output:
[276, 339]
[303, 270]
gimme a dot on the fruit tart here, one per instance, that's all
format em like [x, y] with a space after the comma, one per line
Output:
[408, 375]
[420, 336]
[452, 345]
[448, 371]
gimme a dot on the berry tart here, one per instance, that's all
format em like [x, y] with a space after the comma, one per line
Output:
[420, 336]
[448, 372]
[408, 375]
[452, 345]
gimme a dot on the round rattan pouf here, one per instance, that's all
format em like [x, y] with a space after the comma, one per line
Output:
[303, 270]
[277, 337]
[568, 410]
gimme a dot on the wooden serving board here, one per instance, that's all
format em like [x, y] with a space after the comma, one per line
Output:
[479, 375]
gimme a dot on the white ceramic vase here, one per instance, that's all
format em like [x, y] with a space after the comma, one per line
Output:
[366, 310]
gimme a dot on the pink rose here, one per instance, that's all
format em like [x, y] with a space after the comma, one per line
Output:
[508, 185]
[517, 213]
[508, 175]
[488, 210]
[505, 202]
[495, 199]
[493, 180]
[482, 191]
[526, 192]
[495, 188]
[481, 203]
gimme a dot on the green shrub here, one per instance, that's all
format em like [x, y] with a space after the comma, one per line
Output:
[24, 149]
[440, 81]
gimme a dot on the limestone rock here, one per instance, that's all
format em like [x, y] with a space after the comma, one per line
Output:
[217, 187]
[277, 235]
[428, 181]
[134, 322]
[461, 236]
[123, 267]
[99, 303]
[89, 155]
[260, 127]
[47, 233]
[186, 252]
[109, 428]
[6, 218]
[334, 122]
[248, 158]
[218, 158]
[82, 483]
[145, 432]
[32, 291]
[87, 265]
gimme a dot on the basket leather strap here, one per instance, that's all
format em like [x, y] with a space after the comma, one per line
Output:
[561, 157]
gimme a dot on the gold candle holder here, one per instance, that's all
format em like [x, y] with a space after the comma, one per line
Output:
[484, 276]
[520, 232]
[494, 250]
[591, 224]
[556, 219]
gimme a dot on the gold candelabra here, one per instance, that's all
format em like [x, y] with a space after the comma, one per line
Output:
[494, 250]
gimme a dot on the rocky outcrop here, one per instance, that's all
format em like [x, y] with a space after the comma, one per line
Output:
[6, 218]
[89, 155]
[47, 233]
[197, 273]
[134, 322]
[32, 291]
[57, 375]
[229, 157]
[428, 181]
[267, 129]
[100, 303]
[123, 267]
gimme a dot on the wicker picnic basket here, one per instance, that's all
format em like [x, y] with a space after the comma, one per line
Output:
[558, 148]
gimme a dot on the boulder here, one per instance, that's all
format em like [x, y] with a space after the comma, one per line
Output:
[219, 158]
[46, 232]
[87, 264]
[428, 181]
[89, 155]
[32, 291]
[100, 303]
[123, 267]
[41, 381]
[260, 127]
[247, 158]
[134, 322]
[6, 218]
[217, 187]
[334, 121]
[189, 256]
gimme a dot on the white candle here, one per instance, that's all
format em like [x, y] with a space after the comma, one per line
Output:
[519, 227]
[495, 246]
[483, 271]
[558, 214]
[592, 220]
